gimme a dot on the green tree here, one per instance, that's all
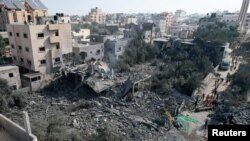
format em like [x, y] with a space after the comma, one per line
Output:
[218, 32]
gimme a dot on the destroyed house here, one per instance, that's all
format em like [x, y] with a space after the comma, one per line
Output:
[88, 51]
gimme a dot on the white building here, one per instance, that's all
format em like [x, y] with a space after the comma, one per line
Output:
[131, 19]
[83, 35]
[96, 15]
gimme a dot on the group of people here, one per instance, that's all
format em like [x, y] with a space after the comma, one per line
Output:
[235, 61]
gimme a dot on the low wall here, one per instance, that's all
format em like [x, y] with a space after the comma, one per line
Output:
[15, 130]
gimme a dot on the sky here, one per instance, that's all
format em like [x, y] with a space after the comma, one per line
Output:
[82, 7]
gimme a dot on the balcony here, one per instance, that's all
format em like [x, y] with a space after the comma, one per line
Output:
[54, 39]
[54, 27]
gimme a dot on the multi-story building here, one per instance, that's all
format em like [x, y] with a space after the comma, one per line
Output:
[148, 31]
[182, 31]
[11, 75]
[39, 48]
[96, 15]
[180, 13]
[230, 19]
[26, 11]
[243, 14]
[131, 19]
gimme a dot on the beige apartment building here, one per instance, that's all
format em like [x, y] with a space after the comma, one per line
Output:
[39, 48]
[25, 11]
[96, 15]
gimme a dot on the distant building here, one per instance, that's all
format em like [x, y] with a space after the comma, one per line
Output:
[180, 13]
[161, 42]
[131, 19]
[93, 51]
[148, 31]
[96, 15]
[82, 34]
[182, 31]
[231, 19]
[16, 11]
[114, 48]
[208, 20]
[130, 31]
[11, 75]
[104, 38]
[39, 48]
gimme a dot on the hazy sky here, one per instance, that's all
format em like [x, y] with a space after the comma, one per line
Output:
[134, 6]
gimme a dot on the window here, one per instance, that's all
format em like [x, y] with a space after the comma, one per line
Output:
[25, 35]
[14, 57]
[12, 46]
[58, 46]
[43, 62]
[57, 33]
[40, 35]
[21, 59]
[17, 34]
[42, 49]
[20, 47]
[10, 33]
[11, 75]
[36, 78]
[29, 62]
[98, 52]
[57, 59]
[27, 49]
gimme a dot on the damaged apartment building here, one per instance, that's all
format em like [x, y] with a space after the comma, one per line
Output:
[113, 48]
[86, 51]
[37, 42]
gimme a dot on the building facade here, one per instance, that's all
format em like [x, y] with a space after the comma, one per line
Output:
[39, 48]
[82, 34]
[11, 75]
[243, 14]
[26, 11]
[96, 15]
[93, 51]
[114, 48]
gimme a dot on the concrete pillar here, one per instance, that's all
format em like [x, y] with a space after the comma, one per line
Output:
[26, 122]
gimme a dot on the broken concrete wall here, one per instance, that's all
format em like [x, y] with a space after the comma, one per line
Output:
[15, 130]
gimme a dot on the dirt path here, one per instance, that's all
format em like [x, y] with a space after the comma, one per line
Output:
[207, 91]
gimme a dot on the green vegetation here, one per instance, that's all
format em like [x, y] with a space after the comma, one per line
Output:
[241, 79]
[180, 67]
[218, 32]
[136, 53]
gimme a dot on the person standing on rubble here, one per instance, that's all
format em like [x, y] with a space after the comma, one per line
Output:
[205, 123]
